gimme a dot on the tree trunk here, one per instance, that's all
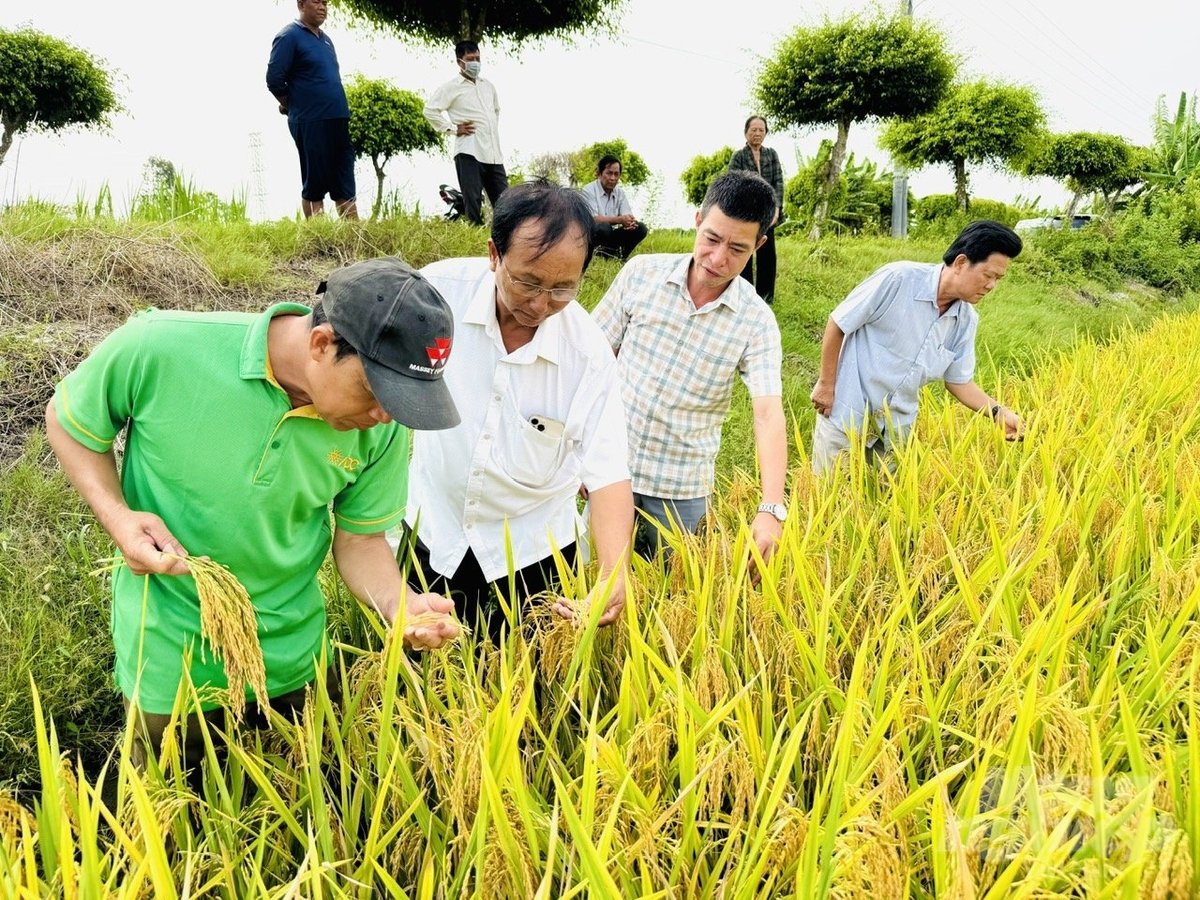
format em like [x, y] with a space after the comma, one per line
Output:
[960, 185]
[378, 204]
[1069, 216]
[6, 137]
[473, 30]
[829, 180]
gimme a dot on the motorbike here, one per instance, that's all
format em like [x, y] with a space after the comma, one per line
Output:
[453, 199]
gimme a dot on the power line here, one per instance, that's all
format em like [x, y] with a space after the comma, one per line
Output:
[1055, 58]
[661, 46]
[1107, 111]
[1093, 63]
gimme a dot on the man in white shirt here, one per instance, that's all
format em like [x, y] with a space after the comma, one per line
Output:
[492, 502]
[616, 230]
[468, 108]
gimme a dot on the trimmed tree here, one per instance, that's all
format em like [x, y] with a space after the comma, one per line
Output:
[855, 70]
[982, 123]
[701, 171]
[386, 121]
[1088, 163]
[440, 22]
[49, 85]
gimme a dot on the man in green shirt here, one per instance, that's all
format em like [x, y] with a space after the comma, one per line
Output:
[242, 430]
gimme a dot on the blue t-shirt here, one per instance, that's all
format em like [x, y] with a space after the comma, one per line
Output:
[303, 68]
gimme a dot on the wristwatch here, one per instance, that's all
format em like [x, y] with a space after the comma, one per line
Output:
[778, 510]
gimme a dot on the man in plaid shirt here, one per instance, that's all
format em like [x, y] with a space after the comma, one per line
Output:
[681, 327]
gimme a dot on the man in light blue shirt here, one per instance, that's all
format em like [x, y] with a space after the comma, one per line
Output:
[906, 325]
[616, 230]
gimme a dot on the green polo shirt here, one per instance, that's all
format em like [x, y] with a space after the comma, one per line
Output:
[215, 449]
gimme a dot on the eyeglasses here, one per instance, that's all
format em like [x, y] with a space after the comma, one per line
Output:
[528, 291]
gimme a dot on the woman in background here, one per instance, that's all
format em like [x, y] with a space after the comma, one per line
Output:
[755, 157]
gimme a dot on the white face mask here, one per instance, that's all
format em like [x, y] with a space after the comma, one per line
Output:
[471, 68]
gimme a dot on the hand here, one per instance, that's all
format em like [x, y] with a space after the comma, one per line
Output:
[612, 609]
[465, 128]
[628, 222]
[822, 397]
[432, 625]
[283, 109]
[1014, 428]
[146, 544]
[766, 531]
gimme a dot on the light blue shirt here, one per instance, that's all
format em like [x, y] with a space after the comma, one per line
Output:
[602, 204]
[895, 343]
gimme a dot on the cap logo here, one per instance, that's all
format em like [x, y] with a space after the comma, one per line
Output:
[439, 353]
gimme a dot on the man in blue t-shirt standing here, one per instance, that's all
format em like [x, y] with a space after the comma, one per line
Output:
[303, 75]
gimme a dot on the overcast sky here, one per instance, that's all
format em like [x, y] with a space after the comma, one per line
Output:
[675, 82]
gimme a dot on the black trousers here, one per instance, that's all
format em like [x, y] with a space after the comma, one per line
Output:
[474, 178]
[477, 600]
[618, 242]
[764, 279]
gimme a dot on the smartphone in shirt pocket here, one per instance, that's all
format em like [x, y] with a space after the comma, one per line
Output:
[551, 428]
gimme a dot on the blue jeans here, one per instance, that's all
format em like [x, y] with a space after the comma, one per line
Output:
[661, 514]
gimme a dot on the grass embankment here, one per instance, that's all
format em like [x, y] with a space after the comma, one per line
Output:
[980, 681]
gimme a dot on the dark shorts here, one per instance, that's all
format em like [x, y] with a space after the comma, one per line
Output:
[326, 158]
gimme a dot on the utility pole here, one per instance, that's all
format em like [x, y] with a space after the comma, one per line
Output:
[900, 177]
[258, 185]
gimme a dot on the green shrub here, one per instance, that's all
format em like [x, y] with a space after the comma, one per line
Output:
[1086, 251]
[944, 208]
[1151, 252]
[996, 210]
[934, 207]
[860, 204]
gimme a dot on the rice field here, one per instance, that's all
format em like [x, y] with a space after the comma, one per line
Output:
[977, 679]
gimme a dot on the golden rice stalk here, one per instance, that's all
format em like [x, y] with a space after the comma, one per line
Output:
[788, 833]
[13, 818]
[229, 624]
[1171, 877]
[712, 684]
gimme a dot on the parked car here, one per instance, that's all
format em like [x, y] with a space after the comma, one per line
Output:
[1027, 225]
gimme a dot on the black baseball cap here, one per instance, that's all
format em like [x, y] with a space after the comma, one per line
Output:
[402, 330]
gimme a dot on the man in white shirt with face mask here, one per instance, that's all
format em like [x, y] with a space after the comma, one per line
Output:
[468, 107]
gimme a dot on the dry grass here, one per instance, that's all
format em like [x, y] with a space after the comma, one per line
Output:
[98, 278]
[33, 358]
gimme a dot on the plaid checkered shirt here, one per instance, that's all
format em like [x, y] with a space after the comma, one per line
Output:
[677, 365]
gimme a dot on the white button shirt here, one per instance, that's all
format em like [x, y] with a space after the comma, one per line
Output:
[463, 100]
[495, 477]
